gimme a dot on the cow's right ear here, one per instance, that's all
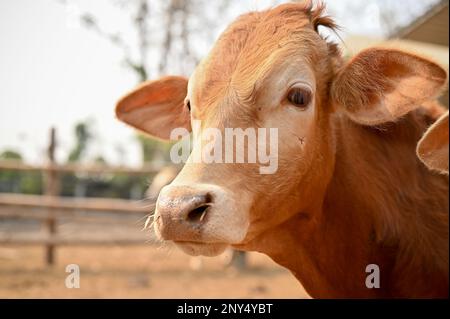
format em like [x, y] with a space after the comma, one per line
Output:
[156, 107]
[433, 147]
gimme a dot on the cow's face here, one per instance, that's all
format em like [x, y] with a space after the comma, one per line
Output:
[268, 70]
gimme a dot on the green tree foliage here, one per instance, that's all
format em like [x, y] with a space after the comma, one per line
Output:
[9, 179]
[31, 183]
[10, 155]
[83, 137]
[154, 150]
[16, 181]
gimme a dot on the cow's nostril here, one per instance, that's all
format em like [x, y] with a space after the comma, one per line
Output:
[198, 214]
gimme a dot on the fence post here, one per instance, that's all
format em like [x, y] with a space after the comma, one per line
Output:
[51, 189]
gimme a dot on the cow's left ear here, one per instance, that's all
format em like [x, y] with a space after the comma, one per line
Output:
[379, 85]
[156, 107]
[433, 147]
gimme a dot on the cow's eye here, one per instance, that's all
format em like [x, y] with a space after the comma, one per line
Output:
[299, 97]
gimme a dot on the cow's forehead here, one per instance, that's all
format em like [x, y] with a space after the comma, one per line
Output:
[249, 48]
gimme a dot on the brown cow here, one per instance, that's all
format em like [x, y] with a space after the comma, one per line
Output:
[433, 146]
[349, 190]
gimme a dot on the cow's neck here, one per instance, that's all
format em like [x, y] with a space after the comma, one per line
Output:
[327, 254]
[362, 221]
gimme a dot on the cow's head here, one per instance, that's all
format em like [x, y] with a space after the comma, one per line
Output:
[269, 69]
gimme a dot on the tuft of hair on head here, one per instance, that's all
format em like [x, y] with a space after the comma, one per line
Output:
[315, 11]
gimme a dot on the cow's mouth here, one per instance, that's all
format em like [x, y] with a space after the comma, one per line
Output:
[201, 249]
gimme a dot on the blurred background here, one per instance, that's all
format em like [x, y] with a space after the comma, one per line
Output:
[74, 181]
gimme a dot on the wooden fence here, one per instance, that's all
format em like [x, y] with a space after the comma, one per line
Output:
[52, 206]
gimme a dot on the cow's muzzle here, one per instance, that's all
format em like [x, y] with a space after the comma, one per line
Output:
[202, 215]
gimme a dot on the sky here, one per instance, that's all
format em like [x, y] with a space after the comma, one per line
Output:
[54, 72]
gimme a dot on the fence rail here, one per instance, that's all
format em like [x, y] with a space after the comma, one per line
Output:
[79, 168]
[72, 242]
[14, 213]
[68, 203]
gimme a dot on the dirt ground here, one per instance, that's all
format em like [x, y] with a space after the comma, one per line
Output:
[139, 272]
